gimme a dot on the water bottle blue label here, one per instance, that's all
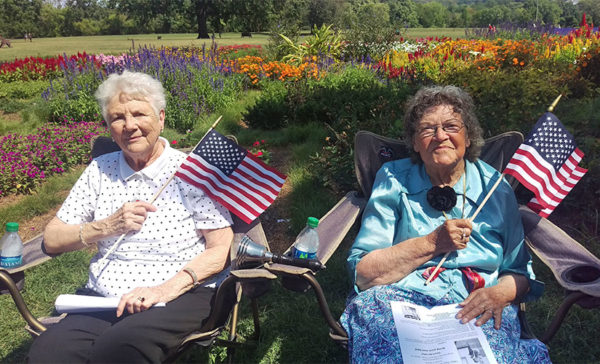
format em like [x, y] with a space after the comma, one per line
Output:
[304, 255]
[11, 262]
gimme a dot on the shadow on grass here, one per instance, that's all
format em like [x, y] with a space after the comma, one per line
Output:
[292, 327]
[19, 354]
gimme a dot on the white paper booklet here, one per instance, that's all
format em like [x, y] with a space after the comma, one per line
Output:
[435, 335]
[71, 303]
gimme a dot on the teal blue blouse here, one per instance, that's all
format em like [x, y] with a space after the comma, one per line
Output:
[398, 210]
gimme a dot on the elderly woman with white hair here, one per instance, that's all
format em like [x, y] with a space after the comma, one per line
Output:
[170, 246]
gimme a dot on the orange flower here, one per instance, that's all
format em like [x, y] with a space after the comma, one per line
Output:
[515, 61]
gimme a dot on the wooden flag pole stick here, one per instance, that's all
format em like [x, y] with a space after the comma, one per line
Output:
[487, 197]
[112, 248]
[214, 125]
[443, 260]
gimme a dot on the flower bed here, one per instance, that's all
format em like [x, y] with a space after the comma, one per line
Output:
[37, 68]
[428, 59]
[26, 160]
[196, 83]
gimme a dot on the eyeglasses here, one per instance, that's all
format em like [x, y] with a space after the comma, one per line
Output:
[448, 128]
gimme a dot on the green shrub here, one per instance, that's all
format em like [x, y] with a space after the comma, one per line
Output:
[348, 101]
[22, 90]
[11, 105]
[271, 108]
[507, 100]
[323, 42]
[352, 95]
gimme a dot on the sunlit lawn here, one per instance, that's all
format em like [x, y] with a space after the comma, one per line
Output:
[116, 44]
[414, 33]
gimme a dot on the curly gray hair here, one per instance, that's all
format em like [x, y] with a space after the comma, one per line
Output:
[461, 102]
[137, 85]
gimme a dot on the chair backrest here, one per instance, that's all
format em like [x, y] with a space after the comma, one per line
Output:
[102, 145]
[372, 150]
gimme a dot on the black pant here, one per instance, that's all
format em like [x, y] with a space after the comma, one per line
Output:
[101, 337]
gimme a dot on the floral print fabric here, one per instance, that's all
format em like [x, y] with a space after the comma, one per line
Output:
[373, 338]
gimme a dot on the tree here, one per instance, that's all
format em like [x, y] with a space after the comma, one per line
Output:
[251, 15]
[202, 12]
[492, 15]
[77, 10]
[543, 11]
[570, 16]
[51, 20]
[592, 10]
[19, 16]
[432, 14]
[403, 13]
[322, 12]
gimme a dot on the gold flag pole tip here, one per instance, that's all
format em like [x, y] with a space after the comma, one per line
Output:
[216, 122]
[551, 107]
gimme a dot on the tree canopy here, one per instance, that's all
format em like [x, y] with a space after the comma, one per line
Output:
[48, 18]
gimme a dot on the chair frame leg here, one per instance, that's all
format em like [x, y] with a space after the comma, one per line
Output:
[560, 315]
[325, 311]
[33, 322]
[254, 304]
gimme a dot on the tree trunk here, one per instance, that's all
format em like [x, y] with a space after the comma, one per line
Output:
[202, 15]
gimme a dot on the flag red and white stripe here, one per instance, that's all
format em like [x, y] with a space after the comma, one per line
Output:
[547, 163]
[232, 176]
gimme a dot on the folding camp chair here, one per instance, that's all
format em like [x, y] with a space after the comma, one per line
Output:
[575, 268]
[252, 283]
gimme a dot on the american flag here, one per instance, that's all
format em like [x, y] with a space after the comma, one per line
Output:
[232, 176]
[547, 163]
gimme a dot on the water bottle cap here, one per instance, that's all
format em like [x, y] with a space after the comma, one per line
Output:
[12, 226]
[313, 222]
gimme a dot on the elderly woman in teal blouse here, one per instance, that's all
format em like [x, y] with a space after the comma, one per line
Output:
[405, 233]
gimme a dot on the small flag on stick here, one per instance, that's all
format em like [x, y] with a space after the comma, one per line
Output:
[232, 176]
[547, 163]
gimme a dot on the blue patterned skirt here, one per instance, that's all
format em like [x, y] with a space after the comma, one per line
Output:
[373, 338]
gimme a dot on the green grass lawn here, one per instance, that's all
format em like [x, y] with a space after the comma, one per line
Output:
[116, 44]
[415, 33]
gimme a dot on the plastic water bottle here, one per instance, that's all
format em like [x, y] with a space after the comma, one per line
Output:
[12, 247]
[307, 242]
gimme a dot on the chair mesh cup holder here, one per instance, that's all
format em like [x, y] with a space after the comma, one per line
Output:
[582, 274]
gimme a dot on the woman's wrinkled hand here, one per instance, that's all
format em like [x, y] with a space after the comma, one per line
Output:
[140, 299]
[451, 235]
[130, 217]
[484, 303]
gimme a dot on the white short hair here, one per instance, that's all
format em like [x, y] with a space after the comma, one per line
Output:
[137, 85]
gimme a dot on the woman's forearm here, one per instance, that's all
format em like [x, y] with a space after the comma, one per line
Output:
[389, 265]
[514, 285]
[60, 237]
[208, 263]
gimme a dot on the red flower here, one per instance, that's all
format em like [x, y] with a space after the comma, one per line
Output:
[174, 142]
[256, 144]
